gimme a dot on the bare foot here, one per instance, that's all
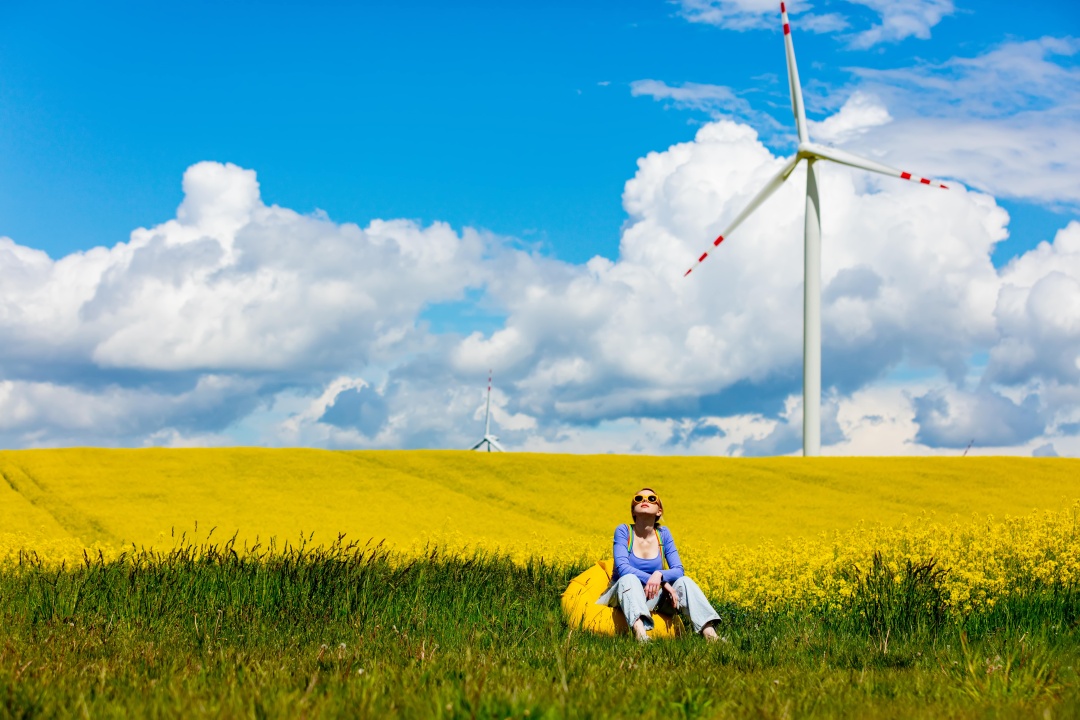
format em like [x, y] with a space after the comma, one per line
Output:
[709, 633]
[639, 631]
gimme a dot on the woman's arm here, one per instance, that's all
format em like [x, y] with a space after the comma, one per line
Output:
[622, 558]
[675, 568]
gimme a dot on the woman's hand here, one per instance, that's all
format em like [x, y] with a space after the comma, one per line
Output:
[674, 595]
[652, 588]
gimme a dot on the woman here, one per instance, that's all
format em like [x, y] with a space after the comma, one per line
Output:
[641, 583]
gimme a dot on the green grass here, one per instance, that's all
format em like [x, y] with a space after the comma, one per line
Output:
[351, 632]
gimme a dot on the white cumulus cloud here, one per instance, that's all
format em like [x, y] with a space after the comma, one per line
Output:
[1006, 121]
[1038, 313]
[241, 320]
[232, 284]
[901, 19]
[907, 275]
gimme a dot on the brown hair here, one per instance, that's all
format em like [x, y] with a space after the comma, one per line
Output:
[659, 502]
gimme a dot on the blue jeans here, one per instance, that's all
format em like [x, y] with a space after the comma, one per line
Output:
[629, 594]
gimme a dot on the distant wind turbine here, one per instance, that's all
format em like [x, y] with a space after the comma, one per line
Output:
[811, 152]
[490, 440]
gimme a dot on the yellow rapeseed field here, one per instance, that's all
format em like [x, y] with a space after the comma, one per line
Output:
[985, 559]
[761, 532]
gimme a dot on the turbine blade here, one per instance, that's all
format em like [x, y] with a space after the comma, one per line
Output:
[845, 158]
[477, 445]
[797, 107]
[495, 444]
[763, 195]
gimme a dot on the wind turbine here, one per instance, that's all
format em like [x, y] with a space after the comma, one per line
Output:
[489, 439]
[811, 152]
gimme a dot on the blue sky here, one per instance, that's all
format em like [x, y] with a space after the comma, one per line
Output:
[523, 124]
[483, 114]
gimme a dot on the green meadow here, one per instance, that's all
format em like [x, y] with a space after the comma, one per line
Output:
[348, 631]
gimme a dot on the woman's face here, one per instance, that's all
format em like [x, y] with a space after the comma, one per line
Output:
[646, 506]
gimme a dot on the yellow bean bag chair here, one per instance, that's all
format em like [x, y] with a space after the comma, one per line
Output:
[579, 606]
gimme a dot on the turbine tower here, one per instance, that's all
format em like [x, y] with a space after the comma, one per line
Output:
[490, 440]
[811, 152]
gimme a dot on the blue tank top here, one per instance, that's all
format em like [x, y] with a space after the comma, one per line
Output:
[650, 565]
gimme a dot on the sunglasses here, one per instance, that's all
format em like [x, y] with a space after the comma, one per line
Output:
[643, 498]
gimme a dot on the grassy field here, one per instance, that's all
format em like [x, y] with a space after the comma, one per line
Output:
[340, 633]
[866, 587]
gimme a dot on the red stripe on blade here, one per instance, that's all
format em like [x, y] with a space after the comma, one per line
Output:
[944, 187]
[787, 29]
[924, 181]
[718, 240]
[906, 176]
[782, 8]
[688, 272]
[703, 256]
